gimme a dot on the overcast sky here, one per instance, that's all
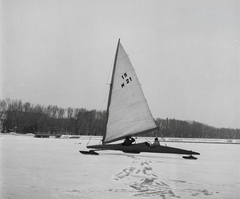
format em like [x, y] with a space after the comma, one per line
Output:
[185, 53]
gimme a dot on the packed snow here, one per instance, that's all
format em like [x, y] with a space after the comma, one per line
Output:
[54, 168]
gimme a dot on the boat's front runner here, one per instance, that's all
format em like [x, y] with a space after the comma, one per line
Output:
[142, 147]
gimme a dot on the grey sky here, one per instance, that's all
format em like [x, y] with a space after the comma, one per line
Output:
[185, 53]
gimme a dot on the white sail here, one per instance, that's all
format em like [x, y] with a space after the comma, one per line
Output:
[128, 111]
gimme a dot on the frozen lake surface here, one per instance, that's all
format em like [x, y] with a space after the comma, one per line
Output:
[53, 168]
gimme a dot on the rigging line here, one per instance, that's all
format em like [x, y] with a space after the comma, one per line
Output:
[106, 94]
[103, 101]
[109, 74]
[162, 137]
[163, 141]
[89, 140]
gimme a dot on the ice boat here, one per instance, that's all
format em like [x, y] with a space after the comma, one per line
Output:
[128, 113]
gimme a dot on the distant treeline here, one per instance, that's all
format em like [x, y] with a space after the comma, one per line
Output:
[28, 118]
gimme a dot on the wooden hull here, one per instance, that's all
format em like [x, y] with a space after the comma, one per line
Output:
[142, 147]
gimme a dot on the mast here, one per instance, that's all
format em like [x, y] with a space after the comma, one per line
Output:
[110, 91]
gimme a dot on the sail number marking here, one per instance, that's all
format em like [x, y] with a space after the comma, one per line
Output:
[127, 80]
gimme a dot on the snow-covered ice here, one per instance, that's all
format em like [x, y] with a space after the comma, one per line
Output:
[54, 168]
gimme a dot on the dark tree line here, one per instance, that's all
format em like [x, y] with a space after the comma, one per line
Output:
[192, 129]
[28, 118]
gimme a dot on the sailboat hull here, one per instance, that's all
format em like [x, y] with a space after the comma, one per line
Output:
[142, 147]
